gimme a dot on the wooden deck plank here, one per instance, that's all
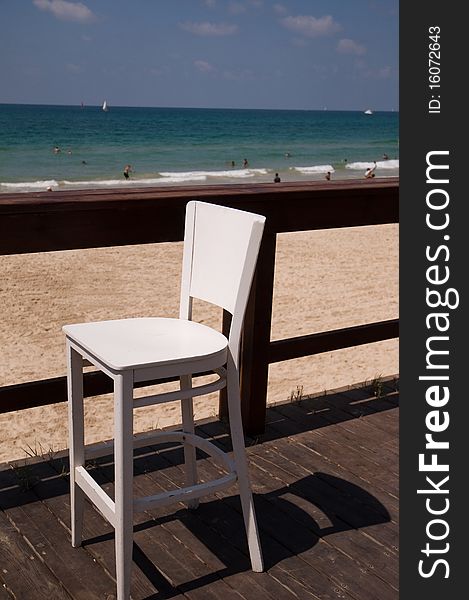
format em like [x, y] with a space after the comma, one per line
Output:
[98, 535]
[22, 571]
[329, 488]
[176, 555]
[360, 402]
[46, 537]
[356, 438]
[328, 517]
[273, 505]
[353, 462]
[314, 513]
[236, 560]
[280, 438]
[194, 551]
[332, 445]
[305, 573]
[226, 515]
[4, 595]
[318, 413]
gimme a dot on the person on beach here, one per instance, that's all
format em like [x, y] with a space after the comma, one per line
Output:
[233, 163]
[245, 163]
[127, 171]
[328, 176]
[385, 156]
[277, 178]
[369, 173]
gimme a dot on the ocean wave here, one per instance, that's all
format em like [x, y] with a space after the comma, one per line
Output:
[314, 169]
[195, 175]
[125, 182]
[175, 179]
[381, 164]
[95, 183]
[31, 185]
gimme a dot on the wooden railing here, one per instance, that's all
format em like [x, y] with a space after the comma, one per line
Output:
[44, 222]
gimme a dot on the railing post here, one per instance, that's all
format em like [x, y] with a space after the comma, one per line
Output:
[254, 360]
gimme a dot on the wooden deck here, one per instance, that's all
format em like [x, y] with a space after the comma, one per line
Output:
[325, 478]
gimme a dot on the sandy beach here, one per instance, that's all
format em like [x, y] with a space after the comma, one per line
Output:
[324, 280]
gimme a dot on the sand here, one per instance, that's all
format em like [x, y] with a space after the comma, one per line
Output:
[324, 280]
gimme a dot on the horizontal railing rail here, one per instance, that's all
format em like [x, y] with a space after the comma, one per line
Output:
[51, 221]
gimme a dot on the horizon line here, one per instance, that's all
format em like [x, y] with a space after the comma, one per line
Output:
[324, 109]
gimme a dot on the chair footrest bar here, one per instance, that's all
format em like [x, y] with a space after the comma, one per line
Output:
[200, 390]
[199, 442]
[151, 438]
[184, 494]
[96, 494]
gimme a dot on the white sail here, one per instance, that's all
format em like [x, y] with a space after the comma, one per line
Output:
[105, 108]
[368, 111]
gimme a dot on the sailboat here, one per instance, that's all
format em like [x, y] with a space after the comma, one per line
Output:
[105, 108]
[368, 111]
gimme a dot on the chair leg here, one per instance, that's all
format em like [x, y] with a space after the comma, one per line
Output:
[190, 459]
[239, 452]
[123, 466]
[76, 439]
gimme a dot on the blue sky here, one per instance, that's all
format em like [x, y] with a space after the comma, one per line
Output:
[293, 54]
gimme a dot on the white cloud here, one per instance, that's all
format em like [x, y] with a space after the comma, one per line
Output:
[66, 11]
[209, 29]
[280, 9]
[311, 26]
[236, 8]
[347, 46]
[203, 66]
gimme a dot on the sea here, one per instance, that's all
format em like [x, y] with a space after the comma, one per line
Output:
[85, 147]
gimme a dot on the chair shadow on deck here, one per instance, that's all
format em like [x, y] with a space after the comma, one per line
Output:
[293, 518]
[286, 523]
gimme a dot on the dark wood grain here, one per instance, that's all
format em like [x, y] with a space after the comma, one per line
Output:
[329, 528]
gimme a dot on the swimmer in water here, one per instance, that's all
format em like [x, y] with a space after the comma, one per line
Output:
[369, 173]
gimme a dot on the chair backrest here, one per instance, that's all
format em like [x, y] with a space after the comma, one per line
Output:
[221, 246]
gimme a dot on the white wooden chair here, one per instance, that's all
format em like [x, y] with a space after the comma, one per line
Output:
[220, 253]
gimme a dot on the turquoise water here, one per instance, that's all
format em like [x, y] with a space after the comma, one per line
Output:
[187, 146]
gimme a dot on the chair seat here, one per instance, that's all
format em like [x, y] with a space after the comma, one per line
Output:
[138, 343]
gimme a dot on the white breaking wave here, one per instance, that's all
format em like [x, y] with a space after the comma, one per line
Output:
[159, 179]
[174, 179]
[31, 185]
[96, 183]
[381, 164]
[314, 169]
[126, 182]
[236, 173]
